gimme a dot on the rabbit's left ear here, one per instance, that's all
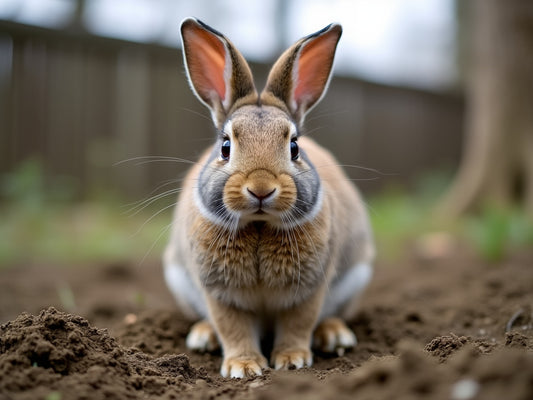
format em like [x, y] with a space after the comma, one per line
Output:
[219, 75]
[300, 77]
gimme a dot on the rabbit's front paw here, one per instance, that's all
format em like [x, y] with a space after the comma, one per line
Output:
[292, 359]
[333, 336]
[202, 337]
[244, 366]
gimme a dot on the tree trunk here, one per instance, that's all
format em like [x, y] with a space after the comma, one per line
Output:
[497, 165]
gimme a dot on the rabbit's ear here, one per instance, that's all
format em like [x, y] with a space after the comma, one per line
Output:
[218, 73]
[301, 75]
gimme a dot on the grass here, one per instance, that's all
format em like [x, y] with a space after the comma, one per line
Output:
[43, 223]
[400, 217]
[497, 232]
[47, 225]
[85, 232]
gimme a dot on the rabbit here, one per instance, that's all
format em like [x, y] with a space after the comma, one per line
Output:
[268, 231]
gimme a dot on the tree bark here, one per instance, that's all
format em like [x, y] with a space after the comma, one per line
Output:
[497, 164]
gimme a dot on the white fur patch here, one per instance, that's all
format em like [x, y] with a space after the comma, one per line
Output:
[228, 129]
[183, 288]
[349, 286]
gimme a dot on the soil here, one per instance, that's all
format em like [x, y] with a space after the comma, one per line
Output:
[454, 327]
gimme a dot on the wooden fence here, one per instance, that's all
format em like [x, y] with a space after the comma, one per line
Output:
[81, 103]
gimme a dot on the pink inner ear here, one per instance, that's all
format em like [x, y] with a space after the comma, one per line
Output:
[206, 59]
[314, 65]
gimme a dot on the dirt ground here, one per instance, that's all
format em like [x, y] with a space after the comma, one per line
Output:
[454, 328]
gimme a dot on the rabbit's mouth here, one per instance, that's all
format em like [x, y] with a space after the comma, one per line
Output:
[261, 214]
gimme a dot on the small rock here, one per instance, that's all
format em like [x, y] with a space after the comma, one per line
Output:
[465, 389]
[130, 319]
[200, 383]
[435, 246]
[256, 384]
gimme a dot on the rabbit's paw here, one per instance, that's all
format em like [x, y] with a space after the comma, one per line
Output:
[292, 359]
[202, 337]
[333, 336]
[244, 366]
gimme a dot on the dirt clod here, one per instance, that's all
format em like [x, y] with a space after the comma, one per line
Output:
[444, 346]
[55, 351]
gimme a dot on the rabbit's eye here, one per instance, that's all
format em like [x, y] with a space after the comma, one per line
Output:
[295, 151]
[225, 149]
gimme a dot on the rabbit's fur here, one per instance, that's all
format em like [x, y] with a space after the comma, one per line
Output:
[268, 233]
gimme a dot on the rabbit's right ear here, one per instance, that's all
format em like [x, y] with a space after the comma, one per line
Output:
[218, 73]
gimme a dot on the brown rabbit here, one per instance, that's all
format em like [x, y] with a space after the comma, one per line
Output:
[268, 232]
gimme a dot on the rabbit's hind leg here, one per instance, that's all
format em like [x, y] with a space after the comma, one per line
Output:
[333, 336]
[202, 337]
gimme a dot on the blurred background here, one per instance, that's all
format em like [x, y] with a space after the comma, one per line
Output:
[94, 100]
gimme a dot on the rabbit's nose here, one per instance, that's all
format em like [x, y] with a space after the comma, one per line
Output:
[261, 194]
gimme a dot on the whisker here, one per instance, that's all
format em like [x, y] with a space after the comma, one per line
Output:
[196, 113]
[228, 228]
[347, 166]
[163, 231]
[377, 171]
[310, 131]
[153, 216]
[302, 229]
[166, 183]
[141, 206]
[149, 159]
[286, 220]
[375, 178]
[304, 202]
[327, 114]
